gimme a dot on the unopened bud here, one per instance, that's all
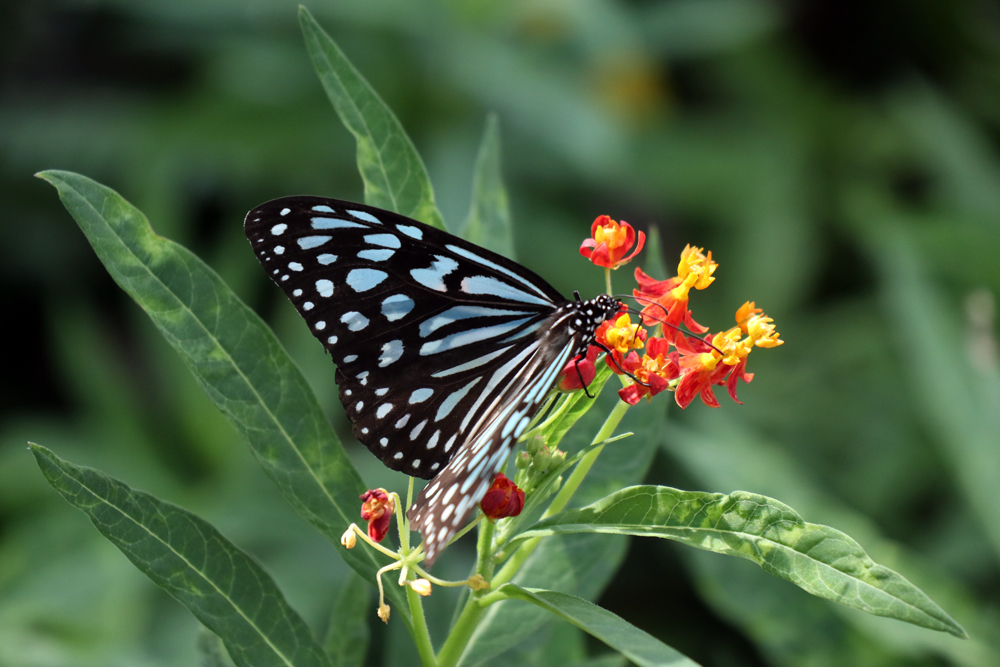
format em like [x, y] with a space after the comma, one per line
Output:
[421, 587]
[533, 444]
[558, 456]
[383, 613]
[477, 583]
[542, 458]
[523, 460]
[348, 539]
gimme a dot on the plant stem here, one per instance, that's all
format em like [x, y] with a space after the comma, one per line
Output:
[421, 636]
[467, 621]
[562, 499]
[607, 280]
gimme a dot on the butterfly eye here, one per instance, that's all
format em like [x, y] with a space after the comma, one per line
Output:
[444, 350]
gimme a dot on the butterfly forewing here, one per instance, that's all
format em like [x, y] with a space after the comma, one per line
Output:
[443, 349]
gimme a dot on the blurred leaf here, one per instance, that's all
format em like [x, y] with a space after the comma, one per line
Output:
[697, 27]
[226, 589]
[347, 635]
[394, 175]
[488, 224]
[958, 387]
[235, 358]
[819, 559]
[211, 650]
[639, 647]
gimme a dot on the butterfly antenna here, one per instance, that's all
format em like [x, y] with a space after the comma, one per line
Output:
[680, 330]
[622, 370]
[576, 365]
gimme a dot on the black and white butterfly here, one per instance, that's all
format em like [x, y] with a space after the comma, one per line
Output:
[444, 350]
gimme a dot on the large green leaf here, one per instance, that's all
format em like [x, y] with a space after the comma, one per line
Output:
[394, 175]
[488, 223]
[818, 559]
[640, 647]
[235, 358]
[225, 588]
[347, 635]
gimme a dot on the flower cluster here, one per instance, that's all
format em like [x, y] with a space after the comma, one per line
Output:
[675, 356]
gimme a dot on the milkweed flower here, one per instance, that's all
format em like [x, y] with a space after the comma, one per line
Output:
[503, 499]
[609, 241]
[721, 359]
[666, 301]
[377, 508]
[620, 336]
[653, 371]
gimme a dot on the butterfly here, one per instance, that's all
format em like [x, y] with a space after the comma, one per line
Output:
[444, 350]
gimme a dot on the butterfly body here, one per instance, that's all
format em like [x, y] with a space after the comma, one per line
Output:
[444, 350]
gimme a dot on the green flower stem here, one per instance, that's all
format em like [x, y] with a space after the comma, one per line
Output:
[467, 621]
[421, 636]
[607, 280]
[562, 499]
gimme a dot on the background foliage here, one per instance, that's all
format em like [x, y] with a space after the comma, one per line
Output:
[840, 159]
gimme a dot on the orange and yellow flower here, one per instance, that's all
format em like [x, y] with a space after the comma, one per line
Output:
[620, 336]
[609, 241]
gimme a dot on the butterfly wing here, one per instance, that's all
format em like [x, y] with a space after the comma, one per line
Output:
[417, 320]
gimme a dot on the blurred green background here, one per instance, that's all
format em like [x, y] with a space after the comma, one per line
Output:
[840, 158]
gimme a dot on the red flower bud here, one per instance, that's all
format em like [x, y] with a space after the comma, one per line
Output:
[377, 509]
[503, 499]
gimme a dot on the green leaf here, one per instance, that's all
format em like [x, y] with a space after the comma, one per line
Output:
[211, 650]
[347, 635]
[640, 647]
[235, 358]
[394, 175]
[819, 559]
[222, 586]
[488, 223]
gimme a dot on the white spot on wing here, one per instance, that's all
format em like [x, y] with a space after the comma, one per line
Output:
[324, 287]
[420, 395]
[285, 211]
[278, 230]
[334, 223]
[391, 352]
[362, 280]
[433, 277]
[396, 307]
[412, 232]
[384, 240]
[326, 259]
[354, 320]
[310, 242]
[367, 217]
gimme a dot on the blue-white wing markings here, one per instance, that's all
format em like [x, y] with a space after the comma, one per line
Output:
[496, 267]
[468, 476]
